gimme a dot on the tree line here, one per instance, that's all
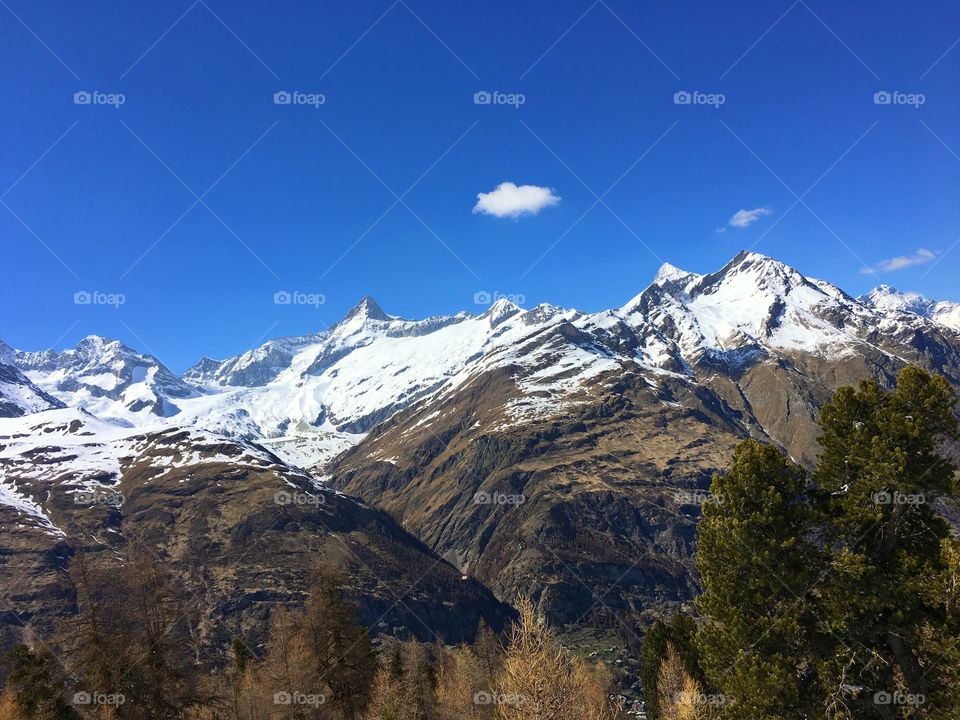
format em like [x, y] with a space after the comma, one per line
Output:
[132, 653]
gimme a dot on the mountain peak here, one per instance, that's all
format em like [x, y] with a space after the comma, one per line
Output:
[765, 271]
[368, 309]
[887, 298]
[744, 255]
[99, 341]
[672, 274]
[503, 309]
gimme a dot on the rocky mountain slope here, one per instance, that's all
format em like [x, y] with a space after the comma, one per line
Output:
[19, 396]
[612, 479]
[547, 451]
[241, 529]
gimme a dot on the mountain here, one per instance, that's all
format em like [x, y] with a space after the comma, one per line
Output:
[19, 396]
[105, 377]
[597, 495]
[891, 300]
[544, 451]
[240, 529]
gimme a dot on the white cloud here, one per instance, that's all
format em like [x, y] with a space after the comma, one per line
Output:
[510, 200]
[920, 257]
[746, 218]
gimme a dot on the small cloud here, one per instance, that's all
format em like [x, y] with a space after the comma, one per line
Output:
[920, 257]
[510, 200]
[719, 230]
[746, 218]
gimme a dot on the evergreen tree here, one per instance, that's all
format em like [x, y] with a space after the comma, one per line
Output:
[756, 643]
[242, 655]
[881, 471]
[839, 600]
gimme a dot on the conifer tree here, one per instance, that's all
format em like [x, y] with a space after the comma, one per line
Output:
[881, 471]
[757, 643]
[840, 599]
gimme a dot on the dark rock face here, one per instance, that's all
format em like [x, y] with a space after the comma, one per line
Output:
[597, 503]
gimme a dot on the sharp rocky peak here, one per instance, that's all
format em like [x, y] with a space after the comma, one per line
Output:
[502, 310]
[368, 309]
[672, 274]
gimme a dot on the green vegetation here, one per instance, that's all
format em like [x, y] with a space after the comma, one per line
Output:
[835, 595]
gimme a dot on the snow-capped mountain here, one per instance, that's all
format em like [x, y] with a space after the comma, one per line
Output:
[753, 305]
[607, 423]
[891, 300]
[321, 393]
[240, 529]
[19, 396]
[311, 397]
[105, 377]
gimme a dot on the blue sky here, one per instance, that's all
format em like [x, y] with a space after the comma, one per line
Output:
[198, 198]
